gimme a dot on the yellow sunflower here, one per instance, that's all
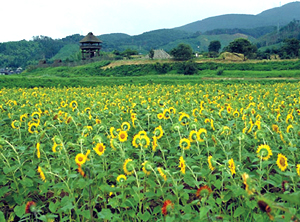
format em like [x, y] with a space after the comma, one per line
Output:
[146, 168]
[73, 105]
[289, 127]
[113, 132]
[154, 143]
[136, 141]
[121, 178]
[122, 136]
[210, 163]
[38, 152]
[162, 173]
[113, 143]
[160, 115]
[185, 143]
[282, 162]
[144, 141]
[193, 136]
[99, 148]
[125, 126]
[158, 132]
[166, 114]
[182, 165]
[247, 183]
[42, 175]
[15, 124]
[23, 117]
[35, 116]
[128, 167]
[184, 119]
[33, 128]
[275, 128]
[231, 166]
[298, 169]
[80, 159]
[200, 134]
[264, 152]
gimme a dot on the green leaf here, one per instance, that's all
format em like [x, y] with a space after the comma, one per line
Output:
[203, 212]
[53, 206]
[27, 182]
[105, 214]
[238, 211]
[19, 210]
[4, 190]
[2, 218]
[145, 216]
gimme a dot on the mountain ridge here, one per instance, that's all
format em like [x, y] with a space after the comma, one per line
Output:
[270, 17]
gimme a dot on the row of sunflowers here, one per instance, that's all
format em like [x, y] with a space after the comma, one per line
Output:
[151, 153]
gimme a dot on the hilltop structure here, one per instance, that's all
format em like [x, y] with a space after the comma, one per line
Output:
[90, 46]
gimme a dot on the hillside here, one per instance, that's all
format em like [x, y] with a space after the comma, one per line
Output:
[261, 29]
[272, 17]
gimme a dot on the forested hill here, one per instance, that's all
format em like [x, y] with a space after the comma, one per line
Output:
[272, 17]
[24, 53]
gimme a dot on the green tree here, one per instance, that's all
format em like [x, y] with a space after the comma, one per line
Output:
[214, 46]
[242, 46]
[182, 52]
[151, 54]
[290, 49]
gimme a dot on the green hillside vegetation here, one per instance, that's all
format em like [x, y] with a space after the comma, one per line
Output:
[25, 53]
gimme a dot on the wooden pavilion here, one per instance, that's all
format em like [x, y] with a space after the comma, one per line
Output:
[90, 46]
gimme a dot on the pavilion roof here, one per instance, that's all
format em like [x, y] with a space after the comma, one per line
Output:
[90, 38]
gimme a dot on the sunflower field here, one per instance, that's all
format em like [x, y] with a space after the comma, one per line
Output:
[203, 152]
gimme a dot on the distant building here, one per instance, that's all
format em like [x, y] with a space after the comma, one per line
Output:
[90, 46]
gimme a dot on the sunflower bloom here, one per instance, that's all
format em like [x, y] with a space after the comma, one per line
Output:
[146, 168]
[231, 166]
[246, 181]
[200, 134]
[154, 143]
[210, 163]
[42, 175]
[282, 162]
[298, 169]
[99, 148]
[122, 136]
[80, 159]
[264, 152]
[185, 143]
[128, 167]
[182, 165]
[121, 178]
[161, 172]
[30, 207]
[125, 126]
[33, 128]
[193, 136]
[203, 191]
[288, 128]
[167, 207]
[38, 152]
[158, 132]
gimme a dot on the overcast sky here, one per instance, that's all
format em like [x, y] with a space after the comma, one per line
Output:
[23, 19]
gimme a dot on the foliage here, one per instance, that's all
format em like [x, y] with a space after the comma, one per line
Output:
[290, 49]
[182, 52]
[214, 46]
[242, 46]
[151, 53]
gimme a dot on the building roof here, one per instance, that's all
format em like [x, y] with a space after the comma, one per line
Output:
[90, 38]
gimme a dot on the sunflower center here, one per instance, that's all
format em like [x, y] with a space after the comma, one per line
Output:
[100, 148]
[80, 159]
[122, 136]
[282, 162]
